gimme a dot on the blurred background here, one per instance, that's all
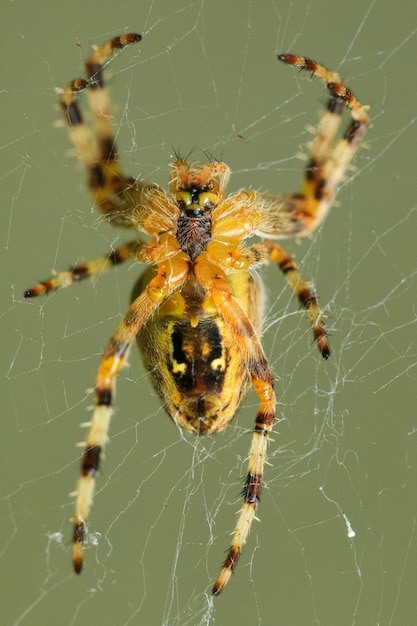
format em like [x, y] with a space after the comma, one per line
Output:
[344, 457]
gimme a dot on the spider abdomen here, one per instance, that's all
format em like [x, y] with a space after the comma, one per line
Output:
[193, 361]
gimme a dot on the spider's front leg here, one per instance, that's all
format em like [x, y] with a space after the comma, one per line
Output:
[298, 214]
[111, 190]
[171, 274]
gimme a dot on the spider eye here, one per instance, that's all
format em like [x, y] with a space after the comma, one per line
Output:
[207, 199]
[184, 197]
[196, 199]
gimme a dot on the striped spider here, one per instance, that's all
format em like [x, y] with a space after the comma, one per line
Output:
[196, 311]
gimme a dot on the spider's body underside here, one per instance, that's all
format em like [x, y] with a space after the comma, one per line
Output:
[197, 311]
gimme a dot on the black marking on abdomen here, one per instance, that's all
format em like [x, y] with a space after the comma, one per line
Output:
[198, 361]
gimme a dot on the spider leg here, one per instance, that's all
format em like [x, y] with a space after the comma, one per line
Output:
[326, 166]
[130, 250]
[298, 214]
[171, 274]
[264, 252]
[262, 382]
[303, 292]
[273, 252]
[108, 187]
[213, 278]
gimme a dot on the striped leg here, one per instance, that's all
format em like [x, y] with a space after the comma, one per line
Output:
[212, 277]
[108, 187]
[303, 293]
[266, 251]
[262, 381]
[298, 214]
[130, 250]
[327, 163]
[170, 276]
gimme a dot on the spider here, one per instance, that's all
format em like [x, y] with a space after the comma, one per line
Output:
[196, 311]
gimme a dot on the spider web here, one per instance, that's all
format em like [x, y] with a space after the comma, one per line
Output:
[337, 540]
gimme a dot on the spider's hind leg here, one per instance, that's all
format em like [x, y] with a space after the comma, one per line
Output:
[262, 381]
[114, 356]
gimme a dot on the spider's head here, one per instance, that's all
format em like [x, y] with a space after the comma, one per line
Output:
[196, 199]
[198, 187]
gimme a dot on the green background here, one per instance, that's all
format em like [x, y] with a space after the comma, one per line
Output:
[205, 77]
